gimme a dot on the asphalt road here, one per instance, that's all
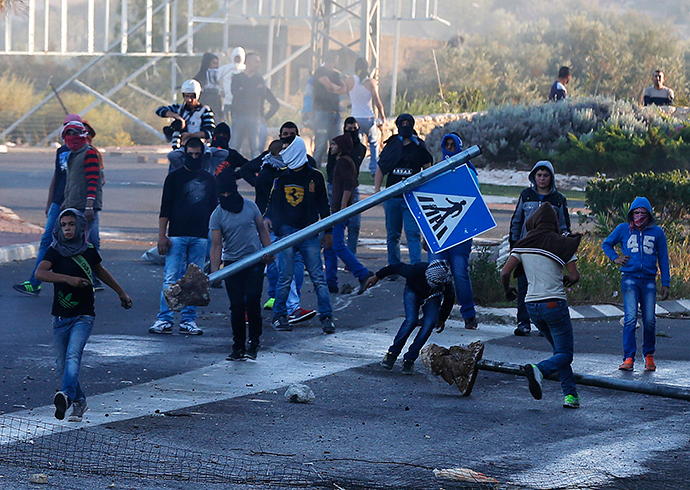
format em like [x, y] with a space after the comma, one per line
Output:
[160, 401]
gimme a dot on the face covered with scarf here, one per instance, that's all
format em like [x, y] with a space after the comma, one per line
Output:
[221, 136]
[640, 218]
[75, 135]
[194, 154]
[405, 124]
[438, 274]
[69, 234]
[295, 155]
[228, 197]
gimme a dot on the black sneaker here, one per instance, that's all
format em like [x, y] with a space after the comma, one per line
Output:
[236, 355]
[328, 326]
[363, 282]
[408, 367]
[61, 403]
[333, 289]
[27, 288]
[98, 285]
[281, 324]
[471, 323]
[252, 352]
[389, 360]
[522, 330]
[534, 377]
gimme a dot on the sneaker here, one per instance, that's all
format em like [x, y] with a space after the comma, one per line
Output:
[522, 330]
[268, 305]
[98, 285]
[333, 289]
[161, 327]
[27, 288]
[78, 409]
[628, 364]
[649, 364]
[61, 403]
[236, 355]
[252, 352]
[328, 325]
[363, 282]
[534, 377]
[571, 401]
[190, 328]
[389, 360]
[282, 325]
[301, 315]
[408, 367]
[471, 323]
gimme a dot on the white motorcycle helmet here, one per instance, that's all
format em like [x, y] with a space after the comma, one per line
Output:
[191, 86]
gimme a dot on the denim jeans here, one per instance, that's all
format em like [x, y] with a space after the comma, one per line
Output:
[327, 126]
[342, 251]
[353, 224]
[46, 240]
[94, 236]
[272, 274]
[367, 126]
[397, 216]
[69, 338]
[244, 292]
[552, 318]
[310, 249]
[246, 128]
[459, 259]
[430, 310]
[642, 292]
[185, 250]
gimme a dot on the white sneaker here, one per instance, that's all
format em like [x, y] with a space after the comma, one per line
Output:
[190, 328]
[161, 327]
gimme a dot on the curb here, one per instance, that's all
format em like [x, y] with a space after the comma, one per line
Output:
[22, 251]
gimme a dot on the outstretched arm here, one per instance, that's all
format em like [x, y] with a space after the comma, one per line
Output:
[110, 281]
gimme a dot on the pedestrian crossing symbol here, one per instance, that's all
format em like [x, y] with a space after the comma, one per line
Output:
[449, 209]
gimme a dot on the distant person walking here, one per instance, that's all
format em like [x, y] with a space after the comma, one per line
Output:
[72, 264]
[225, 75]
[249, 95]
[364, 95]
[643, 246]
[558, 90]
[326, 91]
[658, 94]
[207, 76]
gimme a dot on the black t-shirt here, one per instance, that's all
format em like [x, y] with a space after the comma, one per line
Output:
[323, 99]
[414, 157]
[188, 200]
[69, 301]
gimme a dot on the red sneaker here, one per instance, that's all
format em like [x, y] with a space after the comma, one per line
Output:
[627, 365]
[649, 364]
[301, 315]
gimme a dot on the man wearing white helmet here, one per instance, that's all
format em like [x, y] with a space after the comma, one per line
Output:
[191, 119]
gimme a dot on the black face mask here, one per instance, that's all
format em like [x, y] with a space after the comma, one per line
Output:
[193, 164]
[405, 131]
[288, 139]
[233, 203]
[354, 134]
[221, 141]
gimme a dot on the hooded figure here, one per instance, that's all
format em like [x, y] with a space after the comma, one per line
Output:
[77, 244]
[392, 152]
[544, 237]
[208, 77]
[344, 142]
[75, 141]
[233, 202]
[221, 137]
[447, 153]
[226, 72]
[295, 155]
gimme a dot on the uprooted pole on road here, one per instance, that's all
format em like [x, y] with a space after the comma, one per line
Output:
[176, 299]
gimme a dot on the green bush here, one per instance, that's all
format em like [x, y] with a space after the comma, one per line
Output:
[486, 279]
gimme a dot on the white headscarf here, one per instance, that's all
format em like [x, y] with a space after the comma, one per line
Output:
[295, 155]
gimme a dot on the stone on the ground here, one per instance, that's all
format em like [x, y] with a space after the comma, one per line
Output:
[299, 393]
[456, 365]
[41, 478]
[190, 290]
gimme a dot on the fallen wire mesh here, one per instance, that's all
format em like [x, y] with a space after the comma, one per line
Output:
[31, 444]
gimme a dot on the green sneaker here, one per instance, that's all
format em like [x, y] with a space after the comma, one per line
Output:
[571, 401]
[269, 304]
[27, 288]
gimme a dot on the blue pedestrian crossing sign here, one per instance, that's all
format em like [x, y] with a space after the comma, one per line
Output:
[449, 209]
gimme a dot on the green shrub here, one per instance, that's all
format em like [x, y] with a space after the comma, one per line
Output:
[463, 100]
[486, 279]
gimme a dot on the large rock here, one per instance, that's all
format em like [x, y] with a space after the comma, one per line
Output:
[456, 365]
[299, 393]
[190, 290]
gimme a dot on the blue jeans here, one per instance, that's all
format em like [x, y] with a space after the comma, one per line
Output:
[272, 274]
[327, 126]
[459, 259]
[46, 240]
[367, 126]
[353, 224]
[310, 249]
[342, 251]
[94, 236]
[69, 338]
[642, 292]
[430, 310]
[552, 318]
[246, 128]
[397, 216]
[185, 250]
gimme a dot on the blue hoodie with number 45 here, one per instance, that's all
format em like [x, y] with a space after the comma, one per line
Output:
[644, 247]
